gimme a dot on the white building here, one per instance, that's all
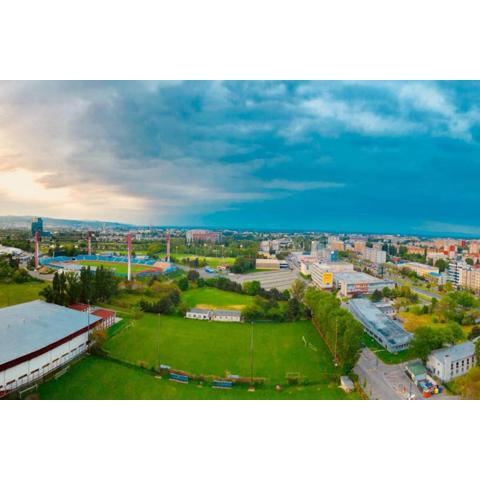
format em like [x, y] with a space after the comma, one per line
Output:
[37, 338]
[322, 273]
[359, 283]
[375, 255]
[216, 315]
[448, 363]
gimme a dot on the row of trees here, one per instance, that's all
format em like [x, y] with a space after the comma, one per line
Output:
[427, 339]
[340, 331]
[87, 287]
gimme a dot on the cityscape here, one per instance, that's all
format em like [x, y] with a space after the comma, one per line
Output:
[190, 313]
[239, 240]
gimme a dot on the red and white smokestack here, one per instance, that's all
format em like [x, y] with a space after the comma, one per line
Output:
[37, 249]
[168, 246]
[89, 242]
[129, 253]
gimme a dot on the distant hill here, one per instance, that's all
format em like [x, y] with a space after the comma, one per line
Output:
[15, 221]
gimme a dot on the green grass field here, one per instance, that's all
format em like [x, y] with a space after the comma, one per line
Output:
[120, 268]
[13, 293]
[216, 348]
[100, 379]
[213, 262]
[215, 298]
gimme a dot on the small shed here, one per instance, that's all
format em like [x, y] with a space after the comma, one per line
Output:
[416, 371]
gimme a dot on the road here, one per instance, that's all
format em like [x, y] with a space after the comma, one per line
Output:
[418, 290]
[375, 379]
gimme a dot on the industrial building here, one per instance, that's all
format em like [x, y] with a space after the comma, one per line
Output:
[383, 329]
[322, 273]
[37, 338]
[448, 363]
[270, 264]
[420, 269]
[359, 283]
[194, 236]
[215, 315]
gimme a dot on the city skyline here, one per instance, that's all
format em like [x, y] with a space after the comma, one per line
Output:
[334, 156]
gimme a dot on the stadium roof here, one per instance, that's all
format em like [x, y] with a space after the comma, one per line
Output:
[373, 318]
[31, 326]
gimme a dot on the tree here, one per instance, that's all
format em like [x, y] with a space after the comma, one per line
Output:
[376, 296]
[425, 340]
[193, 275]
[297, 290]
[477, 353]
[183, 283]
[294, 310]
[469, 261]
[441, 264]
[252, 288]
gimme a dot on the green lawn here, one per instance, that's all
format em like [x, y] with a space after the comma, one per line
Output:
[213, 262]
[216, 348]
[119, 267]
[215, 298]
[384, 355]
[100, 379]
[13, 293]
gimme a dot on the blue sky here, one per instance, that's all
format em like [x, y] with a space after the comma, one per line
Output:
[348, 156]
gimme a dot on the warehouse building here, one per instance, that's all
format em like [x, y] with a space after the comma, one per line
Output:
[383, 329]
[448, 363]
[359, 283]
[37, 338]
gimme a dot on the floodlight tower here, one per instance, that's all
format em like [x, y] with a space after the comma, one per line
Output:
[37, 249]
[129, 253]
[168, 245]
[89, 242]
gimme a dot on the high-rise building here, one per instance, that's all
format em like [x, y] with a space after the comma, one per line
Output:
[37, 226]
[202, 236]
[374, 255]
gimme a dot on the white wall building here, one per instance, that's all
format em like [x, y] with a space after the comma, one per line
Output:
[451, 362]
[216, 315]
[36, 338]
[375, 255]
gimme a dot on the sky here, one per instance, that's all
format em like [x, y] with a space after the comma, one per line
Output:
[332, 156]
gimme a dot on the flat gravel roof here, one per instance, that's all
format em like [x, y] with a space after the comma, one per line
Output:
[28, 327]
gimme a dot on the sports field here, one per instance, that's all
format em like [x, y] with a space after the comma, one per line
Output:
[213, 262]
[100, 379]
[213, 297]
[13, 293]
[120, 267]
[216, 348]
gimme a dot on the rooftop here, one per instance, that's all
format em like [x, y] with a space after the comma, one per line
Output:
[358, 277]
[373, 318]
[235, 313]
[456, 352]
[28, 327]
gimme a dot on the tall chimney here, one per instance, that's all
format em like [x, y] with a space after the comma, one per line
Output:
[129, 250]
[168, 245]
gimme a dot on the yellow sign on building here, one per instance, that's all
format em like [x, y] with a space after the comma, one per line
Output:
[327, 278]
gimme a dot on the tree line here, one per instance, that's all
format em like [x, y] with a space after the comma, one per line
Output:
[86, 287]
